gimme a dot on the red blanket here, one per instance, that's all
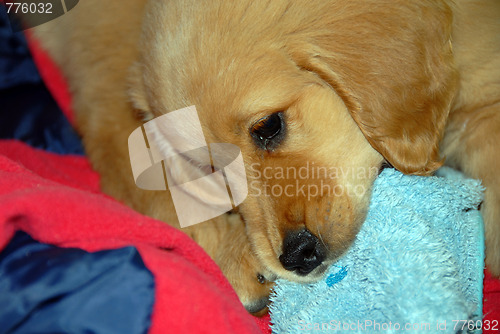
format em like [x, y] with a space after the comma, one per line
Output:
[56, 199]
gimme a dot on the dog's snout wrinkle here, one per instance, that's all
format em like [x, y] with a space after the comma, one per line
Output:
[302, 252]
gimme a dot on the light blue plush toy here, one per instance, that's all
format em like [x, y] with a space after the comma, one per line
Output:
[416, 265]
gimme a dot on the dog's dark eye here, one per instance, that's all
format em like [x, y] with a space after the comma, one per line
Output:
[268, 131]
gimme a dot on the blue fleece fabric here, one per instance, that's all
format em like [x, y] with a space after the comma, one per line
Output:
[416, 265]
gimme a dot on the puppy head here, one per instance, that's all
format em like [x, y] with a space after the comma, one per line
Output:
[316, 96]
[309, 185]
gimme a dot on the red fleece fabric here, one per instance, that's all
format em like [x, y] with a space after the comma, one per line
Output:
[56, 199]
[491, 302]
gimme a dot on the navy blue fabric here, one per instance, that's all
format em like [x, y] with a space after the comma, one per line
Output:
[27, 110]
[47, 289]
[16, 66]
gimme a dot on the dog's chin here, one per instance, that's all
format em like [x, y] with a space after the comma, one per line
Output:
[317, 274]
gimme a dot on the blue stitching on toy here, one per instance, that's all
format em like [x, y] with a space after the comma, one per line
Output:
[337, 277]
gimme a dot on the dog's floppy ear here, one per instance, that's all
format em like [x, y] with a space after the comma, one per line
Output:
[391, 62]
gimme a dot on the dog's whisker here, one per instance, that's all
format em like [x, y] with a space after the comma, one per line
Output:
[321, 238]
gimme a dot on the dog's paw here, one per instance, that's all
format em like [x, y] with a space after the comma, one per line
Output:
[251, 285]
[224, 238]
[256, 305]
[251, 281]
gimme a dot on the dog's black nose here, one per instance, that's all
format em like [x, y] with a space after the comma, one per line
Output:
[302, 252]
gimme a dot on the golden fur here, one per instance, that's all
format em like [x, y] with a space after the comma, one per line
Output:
[359, 82]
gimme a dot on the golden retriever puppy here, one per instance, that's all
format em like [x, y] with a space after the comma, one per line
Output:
[317, 94]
